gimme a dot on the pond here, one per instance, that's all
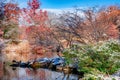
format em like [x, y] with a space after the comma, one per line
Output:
[9, 73]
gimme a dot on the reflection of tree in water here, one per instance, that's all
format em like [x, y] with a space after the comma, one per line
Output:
[1, 58]
[8, 73]
[42, 74]
[34, 74]
[38, 74]
[65, 76]
[1, 69]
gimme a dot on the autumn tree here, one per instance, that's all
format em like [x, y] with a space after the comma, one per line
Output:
[38, 32]
[114, 12]
[65, 31]
[104, 21]
[71, 28]
[10, 23]
[96, 27]
[89, 26]
[8, 15]
[111, 14]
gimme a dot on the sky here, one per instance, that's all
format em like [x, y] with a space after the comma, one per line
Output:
[61, 4]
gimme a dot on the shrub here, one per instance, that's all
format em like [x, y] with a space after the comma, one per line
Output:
[102, 57]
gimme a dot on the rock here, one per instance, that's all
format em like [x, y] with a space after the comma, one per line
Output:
[59, 68]
[15, 65]
[55, 62]
[58, 61]
[117, 74]
[41, 63]
[24, 65]
[19, 64]
[43, 60]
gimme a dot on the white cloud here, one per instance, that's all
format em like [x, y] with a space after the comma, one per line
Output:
[56, 11]
[65, 10]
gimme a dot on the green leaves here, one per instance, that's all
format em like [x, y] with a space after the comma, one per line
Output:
[70, 56]
[102, 57]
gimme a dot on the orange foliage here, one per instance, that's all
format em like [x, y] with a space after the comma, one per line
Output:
[112, 32]
[110, 14]
[18, 51]
[108, 19]
[40, 51]
[113, 11]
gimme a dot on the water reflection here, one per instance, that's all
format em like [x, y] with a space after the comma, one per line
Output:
[10, 73]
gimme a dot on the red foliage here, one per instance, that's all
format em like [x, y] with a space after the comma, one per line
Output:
[28, 29]
[35, 18]
[33, 14]
[34, 4]
[39, 73]
[11, 11]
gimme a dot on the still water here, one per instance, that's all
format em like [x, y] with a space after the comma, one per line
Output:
[9, 73]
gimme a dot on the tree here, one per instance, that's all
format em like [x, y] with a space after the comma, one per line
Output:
[33, 14]
[37, 31]
[11, 11]
[93, 26]
[114, 12]
[67, 30]
[10, 22]
[112, 16]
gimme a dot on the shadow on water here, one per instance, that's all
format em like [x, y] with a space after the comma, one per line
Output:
[12, 73]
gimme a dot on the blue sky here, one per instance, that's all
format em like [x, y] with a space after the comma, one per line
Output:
[61, 4]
